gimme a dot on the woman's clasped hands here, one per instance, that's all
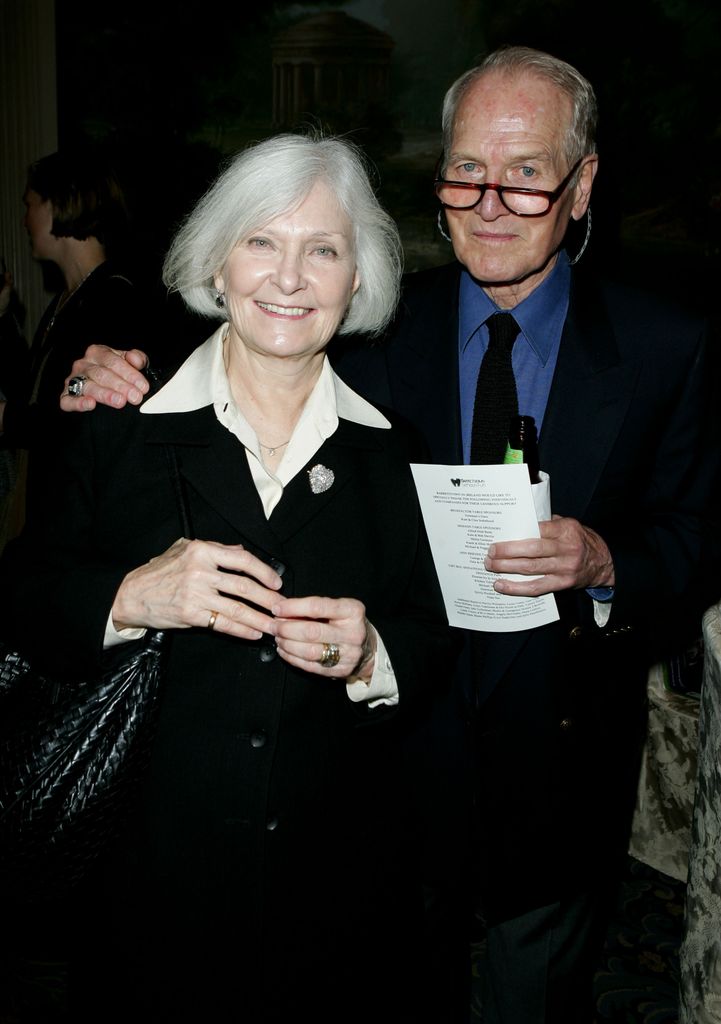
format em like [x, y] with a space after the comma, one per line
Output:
[226, 588]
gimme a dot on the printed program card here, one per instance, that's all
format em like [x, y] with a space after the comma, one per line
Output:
[466, 509]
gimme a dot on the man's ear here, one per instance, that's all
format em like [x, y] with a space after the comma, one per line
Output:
[583, 186]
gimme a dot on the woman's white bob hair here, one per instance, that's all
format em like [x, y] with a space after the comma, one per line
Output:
[267, 180]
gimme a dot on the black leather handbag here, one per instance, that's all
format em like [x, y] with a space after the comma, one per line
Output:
[72, 753]
[71, 758]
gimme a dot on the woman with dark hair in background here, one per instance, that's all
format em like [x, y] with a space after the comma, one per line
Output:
[76, 219]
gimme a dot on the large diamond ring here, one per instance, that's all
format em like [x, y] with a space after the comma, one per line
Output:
[76, 386]
[330, 656]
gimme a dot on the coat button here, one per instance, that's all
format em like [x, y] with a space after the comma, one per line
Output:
[276, 564]
[258, 739]
[271, 824]
[575, 633]
[268, 653]
[565, 724]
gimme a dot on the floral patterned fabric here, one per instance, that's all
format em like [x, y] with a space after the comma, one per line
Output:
[700, 954]
[662, 820]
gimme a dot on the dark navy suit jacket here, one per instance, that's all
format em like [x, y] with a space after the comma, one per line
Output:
[555, 715]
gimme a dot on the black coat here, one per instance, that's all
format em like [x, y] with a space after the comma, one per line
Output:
[555, 714]
[106, 309]
[270, 848]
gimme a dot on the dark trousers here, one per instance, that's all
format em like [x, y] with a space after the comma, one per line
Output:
[540, 966]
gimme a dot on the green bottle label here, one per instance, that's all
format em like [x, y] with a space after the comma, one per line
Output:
[513, 456]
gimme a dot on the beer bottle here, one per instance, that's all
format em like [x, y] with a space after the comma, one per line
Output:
[523, 445]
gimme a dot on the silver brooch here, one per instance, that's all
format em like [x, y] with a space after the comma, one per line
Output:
[321, 478]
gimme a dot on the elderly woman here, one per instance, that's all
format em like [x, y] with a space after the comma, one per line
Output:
[267, 873]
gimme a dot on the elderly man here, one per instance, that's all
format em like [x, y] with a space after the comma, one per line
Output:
[615, 381]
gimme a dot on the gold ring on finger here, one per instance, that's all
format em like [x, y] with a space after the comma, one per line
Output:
[330, 656]
[213, 619]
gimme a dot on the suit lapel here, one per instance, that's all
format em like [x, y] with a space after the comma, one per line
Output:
[213, 464]
[589, 398]
[300, 503]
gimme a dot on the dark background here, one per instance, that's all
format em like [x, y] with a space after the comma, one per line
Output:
[171, 90]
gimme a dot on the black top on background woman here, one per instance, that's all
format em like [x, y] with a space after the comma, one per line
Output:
[268, 873]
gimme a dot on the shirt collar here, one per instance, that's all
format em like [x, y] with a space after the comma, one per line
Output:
[202, 381]
[540, 316]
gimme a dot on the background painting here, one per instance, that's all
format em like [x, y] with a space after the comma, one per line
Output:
[173, 89]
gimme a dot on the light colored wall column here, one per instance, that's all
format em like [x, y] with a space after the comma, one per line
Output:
[28, 130]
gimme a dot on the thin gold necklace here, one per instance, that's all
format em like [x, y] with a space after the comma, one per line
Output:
[274, 449]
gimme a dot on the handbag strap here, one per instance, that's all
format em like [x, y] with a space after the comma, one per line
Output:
[179, 488]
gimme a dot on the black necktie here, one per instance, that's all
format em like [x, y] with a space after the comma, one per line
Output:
[496, 396]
